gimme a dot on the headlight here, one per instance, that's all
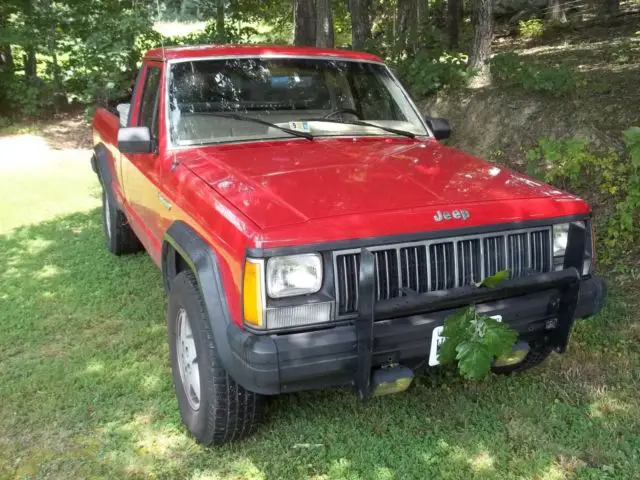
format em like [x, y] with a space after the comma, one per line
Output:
[560, 239]
[294, 275]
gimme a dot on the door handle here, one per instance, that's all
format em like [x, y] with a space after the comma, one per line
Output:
[164, 201]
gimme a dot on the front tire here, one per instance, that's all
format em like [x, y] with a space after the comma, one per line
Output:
[215, 409]
[118, 235]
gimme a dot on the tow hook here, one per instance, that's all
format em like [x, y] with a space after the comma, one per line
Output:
[518, 353]
[391, 379]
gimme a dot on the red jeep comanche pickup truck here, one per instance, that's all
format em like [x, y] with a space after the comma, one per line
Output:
[312, 232]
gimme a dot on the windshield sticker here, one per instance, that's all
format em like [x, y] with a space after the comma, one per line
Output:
[300, 126]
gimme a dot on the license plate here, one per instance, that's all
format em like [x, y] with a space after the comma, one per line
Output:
[437, 340]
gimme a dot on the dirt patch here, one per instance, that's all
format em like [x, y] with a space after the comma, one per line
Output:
[57, 142]
[62, 132]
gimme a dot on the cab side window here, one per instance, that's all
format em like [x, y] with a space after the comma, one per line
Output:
[150, 99]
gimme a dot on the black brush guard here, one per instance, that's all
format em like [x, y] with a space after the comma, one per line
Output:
[566, 282]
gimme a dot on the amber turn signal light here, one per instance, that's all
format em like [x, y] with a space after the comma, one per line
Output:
[253, 293]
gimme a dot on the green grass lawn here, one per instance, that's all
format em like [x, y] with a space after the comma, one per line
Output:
[85, 386]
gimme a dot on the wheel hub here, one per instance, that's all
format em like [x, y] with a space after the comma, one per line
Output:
[187, 360]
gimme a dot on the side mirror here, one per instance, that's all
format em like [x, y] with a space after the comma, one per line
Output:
[123, 113]
[135, 140]
[439, 126]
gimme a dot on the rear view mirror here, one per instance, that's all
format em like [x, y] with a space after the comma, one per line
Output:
[440, 127]
[135, 140]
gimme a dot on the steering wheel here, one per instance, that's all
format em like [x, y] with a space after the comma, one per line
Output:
[340, 111]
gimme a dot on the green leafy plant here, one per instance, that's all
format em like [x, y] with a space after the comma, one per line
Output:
[475, 341]
[430, 73]
[494, 280]
[510, 70]
[563, 161]
[573, 164]
[531, 28]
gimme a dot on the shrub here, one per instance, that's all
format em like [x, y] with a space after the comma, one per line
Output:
[506, 68]
[20, 97]
[510, 70]
[572, 164]
[531, 28]
[425, 75]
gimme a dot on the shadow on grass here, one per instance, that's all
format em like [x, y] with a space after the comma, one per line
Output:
[86, 391]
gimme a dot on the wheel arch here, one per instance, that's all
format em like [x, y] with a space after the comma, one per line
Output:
[183, 247]
[100, 165]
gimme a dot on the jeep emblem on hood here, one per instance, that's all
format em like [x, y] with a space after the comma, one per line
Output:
[454, 214]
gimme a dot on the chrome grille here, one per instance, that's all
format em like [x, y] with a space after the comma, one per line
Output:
[386, 263]
[469, 262]
[517, 253]
[442, 264]
[494, 257]
[413, 265]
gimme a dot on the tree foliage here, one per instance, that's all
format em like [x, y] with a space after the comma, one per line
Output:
[53, 52]
[576, 164]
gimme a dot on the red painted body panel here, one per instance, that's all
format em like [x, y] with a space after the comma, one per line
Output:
[282, 184]
[299, 192]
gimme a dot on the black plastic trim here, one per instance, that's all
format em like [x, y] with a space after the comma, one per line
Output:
[94, 165]
[134, 94]
[462, 296]
[329, 357]
[260, 352]
[410, 237]
[101, 155]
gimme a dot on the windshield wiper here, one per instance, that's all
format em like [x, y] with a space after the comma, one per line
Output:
[247, 118]
[362, 123]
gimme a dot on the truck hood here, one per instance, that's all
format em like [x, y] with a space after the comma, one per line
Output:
[287, 182]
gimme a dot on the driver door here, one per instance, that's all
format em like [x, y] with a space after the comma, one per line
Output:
[141, 172]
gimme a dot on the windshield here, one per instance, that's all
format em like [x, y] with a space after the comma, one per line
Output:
[216, 101]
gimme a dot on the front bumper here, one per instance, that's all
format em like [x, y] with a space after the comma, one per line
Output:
[400, 331]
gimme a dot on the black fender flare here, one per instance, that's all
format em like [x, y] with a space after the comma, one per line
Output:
[100, 165]
[250, 360]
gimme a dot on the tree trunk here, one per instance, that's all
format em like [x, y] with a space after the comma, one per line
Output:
[423, 17]
[454, 17]
[406, 25]
[481, 47]
[55, 67]
[360, 23]
[556, 11]
[611, 7]
[6, 57]
[324, 24]
[304, 22]
[183, 8]
[221, 36]
[30, 66]
[30, 72]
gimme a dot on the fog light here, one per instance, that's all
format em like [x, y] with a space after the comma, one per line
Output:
[385, 381]
[299, 315]
[518, 354]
